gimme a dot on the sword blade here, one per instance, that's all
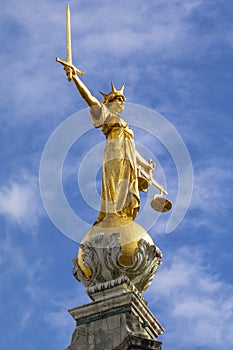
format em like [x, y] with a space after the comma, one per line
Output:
[68, 35]
[68, 62]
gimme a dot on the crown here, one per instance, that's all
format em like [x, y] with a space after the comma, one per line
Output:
[109, 97]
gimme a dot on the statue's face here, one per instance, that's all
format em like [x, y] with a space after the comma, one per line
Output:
[117, 104]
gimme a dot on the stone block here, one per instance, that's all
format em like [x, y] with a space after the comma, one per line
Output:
[120, 322]
[114, 322]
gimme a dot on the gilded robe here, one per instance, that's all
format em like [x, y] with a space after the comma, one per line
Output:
[120, 195]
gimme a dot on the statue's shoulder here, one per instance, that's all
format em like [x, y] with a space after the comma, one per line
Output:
[99, 114]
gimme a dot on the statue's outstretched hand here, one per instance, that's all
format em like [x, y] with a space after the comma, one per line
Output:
[70, 72]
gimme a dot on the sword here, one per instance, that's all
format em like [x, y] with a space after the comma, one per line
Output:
[68, 61]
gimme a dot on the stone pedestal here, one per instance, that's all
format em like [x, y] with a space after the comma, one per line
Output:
[116, 262]
[117, 319]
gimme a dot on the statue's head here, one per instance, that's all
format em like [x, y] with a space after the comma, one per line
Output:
[116, 97]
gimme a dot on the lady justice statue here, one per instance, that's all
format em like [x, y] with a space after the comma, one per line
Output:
[124, 171]
[120, 191]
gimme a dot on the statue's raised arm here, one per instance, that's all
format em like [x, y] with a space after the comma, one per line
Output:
[71, 70]
[83, 90]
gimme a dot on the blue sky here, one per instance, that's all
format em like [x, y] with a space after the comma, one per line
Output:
[175, 57]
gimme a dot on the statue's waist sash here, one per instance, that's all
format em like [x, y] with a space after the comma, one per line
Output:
[117, 131]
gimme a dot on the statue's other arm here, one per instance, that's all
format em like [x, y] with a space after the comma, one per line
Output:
[82, 89]
[147, 165]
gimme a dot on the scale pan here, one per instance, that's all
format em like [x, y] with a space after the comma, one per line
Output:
[161, 204]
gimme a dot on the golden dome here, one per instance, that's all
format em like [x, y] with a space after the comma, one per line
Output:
[129, 235]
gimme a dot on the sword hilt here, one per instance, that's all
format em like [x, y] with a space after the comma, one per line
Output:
[67, 64]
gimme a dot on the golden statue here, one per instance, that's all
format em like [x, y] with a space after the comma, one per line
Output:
[124, 173]
[122, 164]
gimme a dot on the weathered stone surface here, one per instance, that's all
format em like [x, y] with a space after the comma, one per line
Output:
[112, 289]
[115, 323]
[133, 342]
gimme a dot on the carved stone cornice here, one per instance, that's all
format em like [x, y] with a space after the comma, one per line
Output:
[128, 303]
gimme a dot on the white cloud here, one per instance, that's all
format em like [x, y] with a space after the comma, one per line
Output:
[58, 317]
[193, 299]
[10, 250]
[20, 202]
[13, 264]
[166, 28]
[211, 188]
[62, 322]
[15, 200]
[15, 261]
[26, 317]
[21, 278]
